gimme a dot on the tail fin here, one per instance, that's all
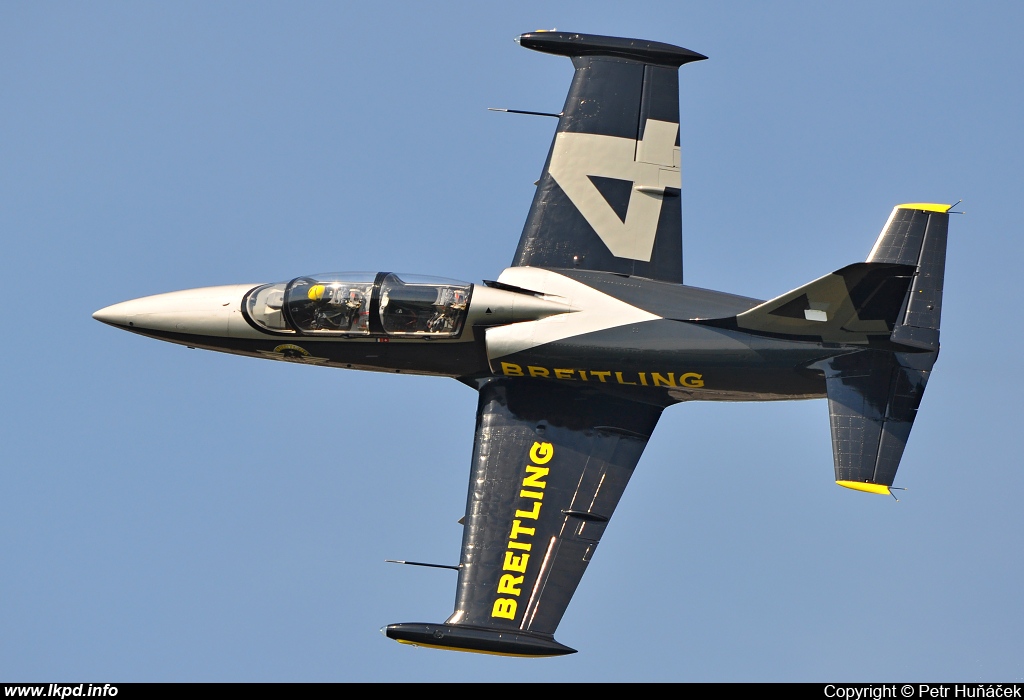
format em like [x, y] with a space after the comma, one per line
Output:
[892, 302]
[891, 306]
[873, 396]
[608, 198]
[857, 305]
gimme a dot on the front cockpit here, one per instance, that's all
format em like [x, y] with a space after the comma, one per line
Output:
[361, 304]
[330, 304]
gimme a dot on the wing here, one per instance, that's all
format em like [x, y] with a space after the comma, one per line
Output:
[549, 467]
[608, 198]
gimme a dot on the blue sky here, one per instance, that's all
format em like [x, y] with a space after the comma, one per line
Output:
[178, 515]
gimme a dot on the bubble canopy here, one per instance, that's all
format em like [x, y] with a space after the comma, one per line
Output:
[353, 304]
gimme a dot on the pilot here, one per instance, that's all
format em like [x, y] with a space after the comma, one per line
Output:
[356, 303]
[355, 298]
[439, 322]
[316, 292]
[332, 311]
[325, 313]
[458, 299]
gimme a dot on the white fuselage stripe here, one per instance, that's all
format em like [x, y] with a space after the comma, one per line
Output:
[591, 311]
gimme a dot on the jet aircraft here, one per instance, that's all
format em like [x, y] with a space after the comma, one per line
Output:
[577, 347]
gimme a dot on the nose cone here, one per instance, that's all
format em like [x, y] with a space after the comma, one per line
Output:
[114, 315]
[201, 311]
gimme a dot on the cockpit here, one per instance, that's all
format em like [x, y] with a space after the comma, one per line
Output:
[329, 303]
[353, 304]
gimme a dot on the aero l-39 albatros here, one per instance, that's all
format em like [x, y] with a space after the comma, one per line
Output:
[578, 347]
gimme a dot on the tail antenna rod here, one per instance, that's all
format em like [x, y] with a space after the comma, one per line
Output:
[950, 210]
[901, 488]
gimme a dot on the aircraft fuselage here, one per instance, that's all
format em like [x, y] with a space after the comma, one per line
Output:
[605, 332]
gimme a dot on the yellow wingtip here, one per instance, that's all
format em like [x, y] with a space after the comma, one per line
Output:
[866, 487]
[926, 206]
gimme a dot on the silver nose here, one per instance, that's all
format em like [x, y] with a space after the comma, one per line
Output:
[113, 315]
[201, 311]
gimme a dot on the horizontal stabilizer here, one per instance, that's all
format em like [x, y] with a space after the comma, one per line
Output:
[873, 398]
[915, 234]
[475, 639]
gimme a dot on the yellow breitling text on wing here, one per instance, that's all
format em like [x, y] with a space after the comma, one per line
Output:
[520, 540]
[690, 380]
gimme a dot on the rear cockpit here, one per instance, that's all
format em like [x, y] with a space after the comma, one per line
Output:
[422, 306]
[361, 304]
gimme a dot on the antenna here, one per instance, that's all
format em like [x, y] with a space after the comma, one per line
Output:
[523, 111]
[420, 563]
